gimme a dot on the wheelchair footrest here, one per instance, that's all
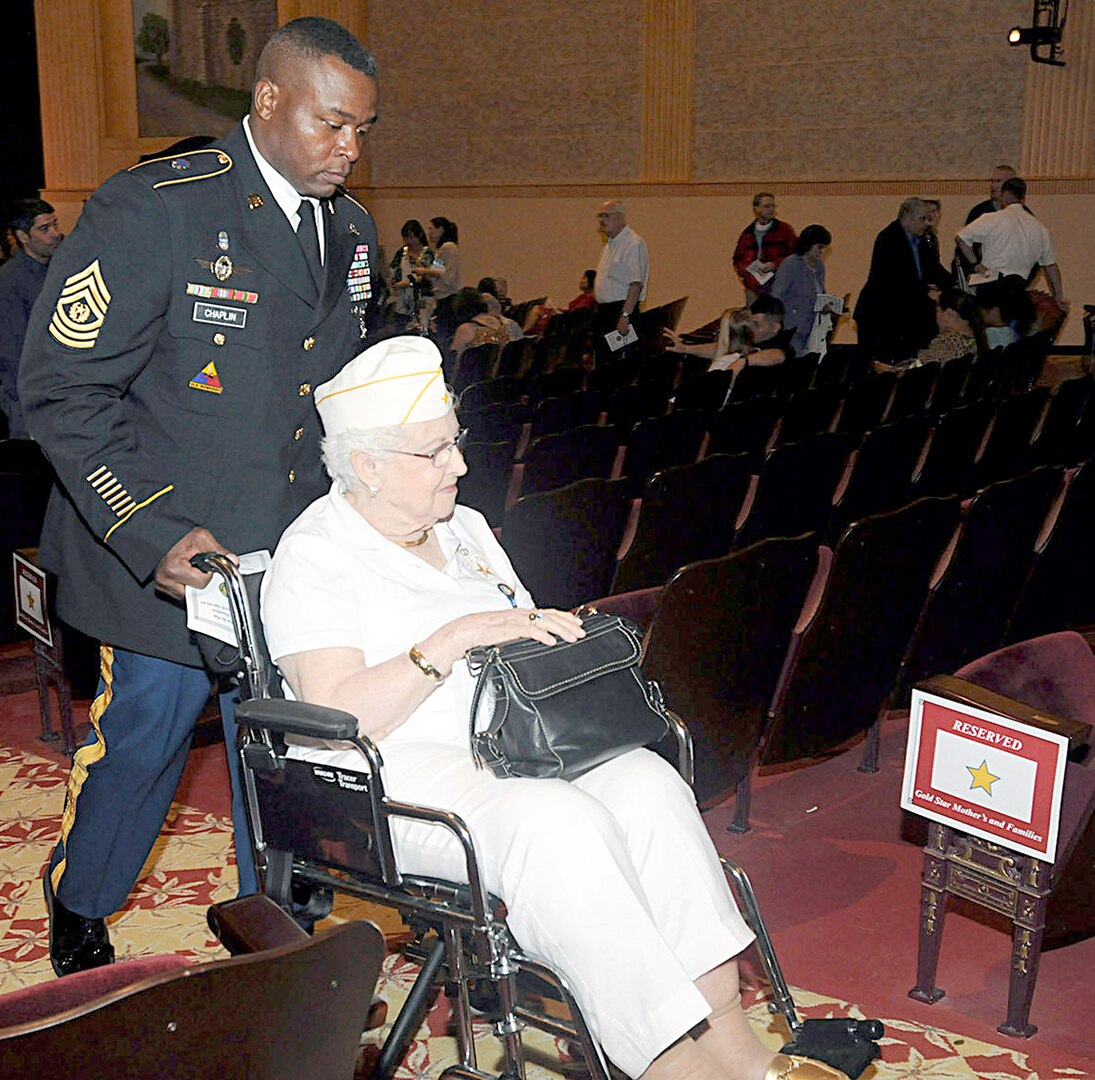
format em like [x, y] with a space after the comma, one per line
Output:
[844, 1043]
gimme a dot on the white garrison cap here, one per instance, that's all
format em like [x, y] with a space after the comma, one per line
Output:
[396, 381]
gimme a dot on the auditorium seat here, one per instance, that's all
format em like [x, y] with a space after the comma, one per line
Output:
[745, 427]
[660, 442]
[757, 382]
[880, 474]
[629, 404]
[846, 650]
[794, 491]
[552, 384]
[496, 423]
[715, 647]
[866, 402]
[488, 392]
[570, 410]
[475, 365]
[948, 465]
[706, 390]
[292, 1009]
[912, 392]
[950, 385]
[1060, 592]
[687, 513]
[1007, 448]
[799, 372]
[1057, 441]
[563, 543]
[484, 485]
[841, 364]
[553, 461]
[809, 412]
[979, 580]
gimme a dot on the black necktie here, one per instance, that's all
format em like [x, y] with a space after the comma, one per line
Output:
[309, 241]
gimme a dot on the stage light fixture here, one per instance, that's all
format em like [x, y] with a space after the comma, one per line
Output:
[1044, 34]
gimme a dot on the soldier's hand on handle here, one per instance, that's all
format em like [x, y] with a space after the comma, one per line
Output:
[174, 572]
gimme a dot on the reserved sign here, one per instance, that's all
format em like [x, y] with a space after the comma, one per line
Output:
[985, 773]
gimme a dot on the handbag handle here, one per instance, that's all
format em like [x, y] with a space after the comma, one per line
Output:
[482, 660]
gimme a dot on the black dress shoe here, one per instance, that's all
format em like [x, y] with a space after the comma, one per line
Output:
[76, 942]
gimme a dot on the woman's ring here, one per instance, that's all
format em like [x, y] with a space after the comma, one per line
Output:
[534, 615]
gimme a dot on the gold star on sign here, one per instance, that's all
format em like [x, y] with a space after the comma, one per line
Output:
[982, 778]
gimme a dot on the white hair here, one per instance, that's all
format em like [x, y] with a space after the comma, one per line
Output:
[337, 451]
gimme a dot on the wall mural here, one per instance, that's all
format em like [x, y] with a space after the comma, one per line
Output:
[196, 62]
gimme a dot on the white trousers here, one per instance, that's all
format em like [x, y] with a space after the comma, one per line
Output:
[611, 879]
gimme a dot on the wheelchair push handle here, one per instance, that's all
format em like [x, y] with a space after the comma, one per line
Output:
[251, 659]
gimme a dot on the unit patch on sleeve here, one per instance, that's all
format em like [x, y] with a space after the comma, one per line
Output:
[207, 379]
[81, 308]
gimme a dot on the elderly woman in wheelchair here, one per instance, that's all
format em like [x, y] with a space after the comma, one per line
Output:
[375, 594]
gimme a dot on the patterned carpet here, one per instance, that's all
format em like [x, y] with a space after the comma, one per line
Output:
[192, 867]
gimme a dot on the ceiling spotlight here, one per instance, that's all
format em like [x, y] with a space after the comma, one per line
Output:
[1034, 35]
[1043, 36]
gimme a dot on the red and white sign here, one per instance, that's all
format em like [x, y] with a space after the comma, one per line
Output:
[30, 599]
[985, 774]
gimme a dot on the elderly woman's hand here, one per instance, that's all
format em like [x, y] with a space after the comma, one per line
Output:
[548, 625]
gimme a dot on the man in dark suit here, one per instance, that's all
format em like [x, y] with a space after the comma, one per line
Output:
[168, 375]
[895, 313]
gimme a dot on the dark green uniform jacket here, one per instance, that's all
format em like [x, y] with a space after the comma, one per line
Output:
[168, 375]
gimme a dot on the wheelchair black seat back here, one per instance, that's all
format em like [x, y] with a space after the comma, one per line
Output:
[318, 829]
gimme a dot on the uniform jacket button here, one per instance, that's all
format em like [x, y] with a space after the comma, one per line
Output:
[292, 475]
[218, 339]
[304, 389]
[298, 434]
[309, 344]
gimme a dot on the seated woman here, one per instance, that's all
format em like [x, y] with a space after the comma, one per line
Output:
[959, 330]
[477, 324]
[375, 594]
[541, 314]
[733, 349]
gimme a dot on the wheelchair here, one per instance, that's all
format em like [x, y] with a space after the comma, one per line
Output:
[319, 829]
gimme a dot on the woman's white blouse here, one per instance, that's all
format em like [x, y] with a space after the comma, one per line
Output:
[335, 582]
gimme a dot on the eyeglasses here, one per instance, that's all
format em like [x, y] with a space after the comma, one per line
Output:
[440, 457]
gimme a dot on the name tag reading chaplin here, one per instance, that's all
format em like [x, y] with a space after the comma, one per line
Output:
[220, 315]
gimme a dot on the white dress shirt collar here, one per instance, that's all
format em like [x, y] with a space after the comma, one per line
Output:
[285, 195]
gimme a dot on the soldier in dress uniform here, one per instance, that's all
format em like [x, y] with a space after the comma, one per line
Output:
[168, 376]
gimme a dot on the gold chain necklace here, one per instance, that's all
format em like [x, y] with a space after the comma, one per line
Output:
[419, 542]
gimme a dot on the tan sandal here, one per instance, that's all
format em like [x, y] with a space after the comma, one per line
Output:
[793, 1067]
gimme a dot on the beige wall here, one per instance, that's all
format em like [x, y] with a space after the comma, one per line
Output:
[541, 245]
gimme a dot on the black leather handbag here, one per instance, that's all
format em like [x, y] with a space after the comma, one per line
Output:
[561, 710]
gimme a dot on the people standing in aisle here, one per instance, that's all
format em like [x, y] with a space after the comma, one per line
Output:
[763, 244]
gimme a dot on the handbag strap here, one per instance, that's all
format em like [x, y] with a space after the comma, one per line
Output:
[484, 662]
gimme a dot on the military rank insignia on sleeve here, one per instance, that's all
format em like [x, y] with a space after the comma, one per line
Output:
[81, 308]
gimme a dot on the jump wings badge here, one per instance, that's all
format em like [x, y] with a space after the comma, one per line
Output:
[81, 308]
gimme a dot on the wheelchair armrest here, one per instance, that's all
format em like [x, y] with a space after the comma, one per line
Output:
[296, 718]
